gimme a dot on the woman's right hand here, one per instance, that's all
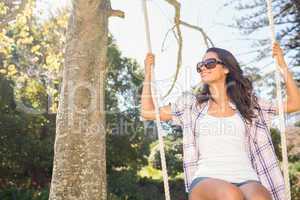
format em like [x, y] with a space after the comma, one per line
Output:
[149, 62]
[148, 110]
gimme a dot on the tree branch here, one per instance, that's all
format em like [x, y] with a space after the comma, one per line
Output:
[116, 13]
[205, 36]
[179, 39]
[176, 6]
[166, 36]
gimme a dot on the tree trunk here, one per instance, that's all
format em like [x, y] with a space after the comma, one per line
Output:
[79, 168]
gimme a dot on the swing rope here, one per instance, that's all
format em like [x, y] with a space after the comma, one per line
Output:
[155, 101]
[279, 103]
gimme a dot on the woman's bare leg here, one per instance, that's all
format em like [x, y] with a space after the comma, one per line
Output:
[255, 191]
[215, 189]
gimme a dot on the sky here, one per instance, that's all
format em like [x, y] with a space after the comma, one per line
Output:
[212, 16]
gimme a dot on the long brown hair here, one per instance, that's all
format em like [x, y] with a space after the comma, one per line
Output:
[239, 87]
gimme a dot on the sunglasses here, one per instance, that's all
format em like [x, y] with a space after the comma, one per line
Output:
[209, 64]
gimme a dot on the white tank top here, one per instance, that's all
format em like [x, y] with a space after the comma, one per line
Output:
[223, 155]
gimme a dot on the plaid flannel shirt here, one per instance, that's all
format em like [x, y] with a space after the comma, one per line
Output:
[259, 146]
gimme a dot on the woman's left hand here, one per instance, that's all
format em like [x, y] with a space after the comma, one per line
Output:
[278, 54]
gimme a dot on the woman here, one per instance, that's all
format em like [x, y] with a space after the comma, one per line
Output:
[227, 148]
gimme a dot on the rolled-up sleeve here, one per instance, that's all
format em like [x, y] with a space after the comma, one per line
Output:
[268, 108]
[181, 107]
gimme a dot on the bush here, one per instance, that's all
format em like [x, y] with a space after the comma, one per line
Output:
[14, 193]
[149, 189]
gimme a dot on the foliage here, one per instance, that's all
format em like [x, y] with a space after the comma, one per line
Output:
[286, 17]
[297, 124]
[253, 20]
[24, 194]
[294, 164]
[295, 187]
[32, 56]
[173, 153]
[26, 141]
[127, 143]
[275, 134]
[27, 128]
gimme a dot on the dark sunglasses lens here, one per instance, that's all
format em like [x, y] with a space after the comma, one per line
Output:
[210, 64]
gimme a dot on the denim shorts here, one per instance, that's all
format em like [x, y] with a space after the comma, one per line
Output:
[197, 180]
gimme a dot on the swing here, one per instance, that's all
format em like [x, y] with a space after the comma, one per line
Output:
[279, 104]
[155, 101]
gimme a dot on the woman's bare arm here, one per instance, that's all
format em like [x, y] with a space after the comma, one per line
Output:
[147, 110]
[292, 103]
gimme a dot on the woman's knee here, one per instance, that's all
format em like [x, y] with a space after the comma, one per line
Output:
[196, 195]
[215, 189]
[230, 193]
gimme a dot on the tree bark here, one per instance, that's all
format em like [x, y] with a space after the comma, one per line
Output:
[79, 168]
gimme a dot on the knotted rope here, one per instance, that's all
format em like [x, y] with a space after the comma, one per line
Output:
[280, 106]
[157, 115]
